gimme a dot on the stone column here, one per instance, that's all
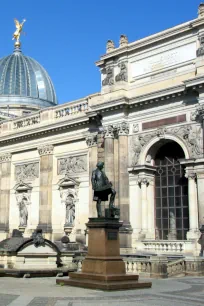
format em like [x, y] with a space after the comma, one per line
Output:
[5, 173]
[109, 153]
[200, 187]
[193, 206]
[144, 183]
[46, 175]
[151, 208]
[91, 141]
[123, 131]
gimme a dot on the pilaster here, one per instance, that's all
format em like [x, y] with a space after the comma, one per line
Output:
[109, 153]
[91, 141]
[5, 173]
[46, 176]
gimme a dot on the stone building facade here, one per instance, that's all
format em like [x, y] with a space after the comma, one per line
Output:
[146, 123]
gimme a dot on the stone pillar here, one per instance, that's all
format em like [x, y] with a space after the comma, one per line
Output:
[123, 131]
[5, 172]
[200, 187]
[193, 206]
[151, 208]
[91, 141]
[109, 153]
[46, 175]
[144, 183]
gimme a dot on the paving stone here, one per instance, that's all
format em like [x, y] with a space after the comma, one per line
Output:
[6, 299]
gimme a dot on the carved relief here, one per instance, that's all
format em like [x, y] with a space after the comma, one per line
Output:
[135, 128]
[190, 134]
[200, 50]
[72, 164]
[109, 78]
[27, 172]
[123, 75]
[109, 131]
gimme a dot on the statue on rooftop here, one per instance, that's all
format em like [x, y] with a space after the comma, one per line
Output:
[19, 27]
[102, 188]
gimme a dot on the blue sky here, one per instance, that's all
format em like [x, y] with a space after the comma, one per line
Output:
[67, 36]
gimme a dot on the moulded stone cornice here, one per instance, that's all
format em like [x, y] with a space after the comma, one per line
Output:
[153, 39]
[197, 82]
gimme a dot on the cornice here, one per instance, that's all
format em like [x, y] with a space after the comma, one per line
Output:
[152, 39]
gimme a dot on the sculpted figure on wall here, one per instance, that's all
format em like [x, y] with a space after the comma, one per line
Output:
[22, 201]
[69, 197]
[122, 76]
[27, 171]
[108, 80]
[72, 164]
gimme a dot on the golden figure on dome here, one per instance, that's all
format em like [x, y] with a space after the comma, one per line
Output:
[17, 33]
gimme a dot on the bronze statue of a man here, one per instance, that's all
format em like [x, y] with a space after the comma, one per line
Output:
[102, 188]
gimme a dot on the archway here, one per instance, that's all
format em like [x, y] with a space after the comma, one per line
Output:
[171, 192]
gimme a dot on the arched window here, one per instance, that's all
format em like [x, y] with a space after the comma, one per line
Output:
[171, 193]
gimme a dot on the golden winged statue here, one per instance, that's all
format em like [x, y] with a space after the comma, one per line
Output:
[19, 27]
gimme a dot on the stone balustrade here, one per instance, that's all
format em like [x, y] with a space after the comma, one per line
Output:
[72, 109]
[26, 122]
[164, 246]
[176, 268]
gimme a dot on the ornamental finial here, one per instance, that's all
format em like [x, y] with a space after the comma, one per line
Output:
[17, 33]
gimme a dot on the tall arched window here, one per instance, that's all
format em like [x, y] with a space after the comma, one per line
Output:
[171, 194]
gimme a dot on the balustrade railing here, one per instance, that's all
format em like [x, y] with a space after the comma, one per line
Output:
[164, 246]
[27, 121]
[72, 109]
[176, 268]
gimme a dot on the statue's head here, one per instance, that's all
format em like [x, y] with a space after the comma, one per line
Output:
[100, 165]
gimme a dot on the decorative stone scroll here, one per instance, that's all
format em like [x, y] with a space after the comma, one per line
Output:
[123, 75]
[27, 172]
[109, 78]
[5, 157]
[72, 164]
[45, 149]
[190, 134]
[91, 140]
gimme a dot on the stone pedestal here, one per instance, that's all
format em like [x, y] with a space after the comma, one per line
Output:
[103, 268]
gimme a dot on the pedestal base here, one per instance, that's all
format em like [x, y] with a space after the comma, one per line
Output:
[103, 268]
[104, 282]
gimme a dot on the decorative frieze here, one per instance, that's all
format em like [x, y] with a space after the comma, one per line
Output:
[91, 140]
[109, 78]
[27, 172]
[123, 74]
[5, 157]
[72, 164]
[45, 149]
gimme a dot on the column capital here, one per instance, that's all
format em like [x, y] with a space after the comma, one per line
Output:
[191, 175]
[91, 140]
[143, 181]
[109, 131]
[123, 128]
[45, 149]
[5, 157]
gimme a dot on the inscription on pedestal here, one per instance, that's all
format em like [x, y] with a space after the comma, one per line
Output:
[112, 236]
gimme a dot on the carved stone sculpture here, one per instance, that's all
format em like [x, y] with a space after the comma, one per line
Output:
[109, 131]
[91, 140]
[123, 75]
[72, 164]
[22, 201]
[135, 128]
[123, 128]
[45, 149]
[110, 46]
[123, 41]
[27, 171]
[69, 198]
[108, 80]
[38, 239]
